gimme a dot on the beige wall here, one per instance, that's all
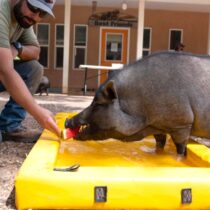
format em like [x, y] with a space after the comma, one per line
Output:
[194, 25]
[53, 74]
[80, 15]
[195, 37]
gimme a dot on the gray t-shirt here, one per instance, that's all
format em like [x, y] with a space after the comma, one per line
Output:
[10, 30]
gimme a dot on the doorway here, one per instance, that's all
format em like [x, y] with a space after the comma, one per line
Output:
[113, 48]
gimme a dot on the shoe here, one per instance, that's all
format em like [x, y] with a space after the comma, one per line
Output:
[22, 134]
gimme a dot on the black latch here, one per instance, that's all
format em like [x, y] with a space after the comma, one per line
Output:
[186, 196]
[100, 194]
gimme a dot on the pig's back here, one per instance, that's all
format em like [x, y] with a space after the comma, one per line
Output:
[169, 84]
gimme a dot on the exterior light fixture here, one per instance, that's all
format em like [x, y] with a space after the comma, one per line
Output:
[124, 6]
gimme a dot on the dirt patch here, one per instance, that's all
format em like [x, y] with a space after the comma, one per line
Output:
[12, 154]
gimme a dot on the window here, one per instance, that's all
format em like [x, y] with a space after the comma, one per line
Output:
[59, 30]
[147, 41]
[43, 38]
[80, 45]
[114, 47]
[175, 37]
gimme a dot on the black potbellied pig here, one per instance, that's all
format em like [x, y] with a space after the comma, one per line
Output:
[44, 86]
[164, 93]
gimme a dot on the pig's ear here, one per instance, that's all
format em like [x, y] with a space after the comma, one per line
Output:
[109, 90]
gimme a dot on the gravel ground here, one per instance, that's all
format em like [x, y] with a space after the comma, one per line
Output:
[12, 154]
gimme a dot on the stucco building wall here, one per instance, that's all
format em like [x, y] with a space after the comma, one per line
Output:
[195, 38]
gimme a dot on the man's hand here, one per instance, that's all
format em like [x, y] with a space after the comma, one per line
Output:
[46, 120]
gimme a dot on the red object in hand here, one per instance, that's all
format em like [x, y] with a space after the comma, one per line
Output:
[70, 133]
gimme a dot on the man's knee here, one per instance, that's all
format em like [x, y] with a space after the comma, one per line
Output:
[31, 72]
[37, 70]
[29, 69]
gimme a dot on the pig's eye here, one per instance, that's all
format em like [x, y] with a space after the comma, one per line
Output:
[100, 104]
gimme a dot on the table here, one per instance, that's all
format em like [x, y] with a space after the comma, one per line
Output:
[115, 66]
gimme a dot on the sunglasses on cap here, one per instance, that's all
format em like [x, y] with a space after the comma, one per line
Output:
[36, 10]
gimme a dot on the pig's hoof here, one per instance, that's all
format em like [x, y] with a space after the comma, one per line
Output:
[180, 158]
[159, 150]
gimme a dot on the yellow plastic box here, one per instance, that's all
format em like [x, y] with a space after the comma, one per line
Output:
[112, 175]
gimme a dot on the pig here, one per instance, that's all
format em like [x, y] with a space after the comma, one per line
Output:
[163, 93]
[44, 86]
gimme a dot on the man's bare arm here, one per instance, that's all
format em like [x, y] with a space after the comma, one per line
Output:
[29, 52]
[20, 93]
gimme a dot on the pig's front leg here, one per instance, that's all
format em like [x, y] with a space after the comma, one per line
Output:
[160, 141]
[128, 125]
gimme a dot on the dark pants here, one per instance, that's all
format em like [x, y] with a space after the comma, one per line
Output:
[13, 114]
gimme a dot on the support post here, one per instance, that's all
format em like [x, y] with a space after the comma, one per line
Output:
[85, 82]
[67, 21]
[140, 33]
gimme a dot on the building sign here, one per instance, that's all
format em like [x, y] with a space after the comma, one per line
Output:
[112, 18]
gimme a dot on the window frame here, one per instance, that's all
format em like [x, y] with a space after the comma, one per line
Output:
[55, 54]
[150, 42]
[78, 46]
[169, 39]
[48, 45]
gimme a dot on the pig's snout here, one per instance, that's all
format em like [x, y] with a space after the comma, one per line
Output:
[70, 123]
[74, 122]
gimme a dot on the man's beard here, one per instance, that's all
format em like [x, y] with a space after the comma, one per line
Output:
[21, 19]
